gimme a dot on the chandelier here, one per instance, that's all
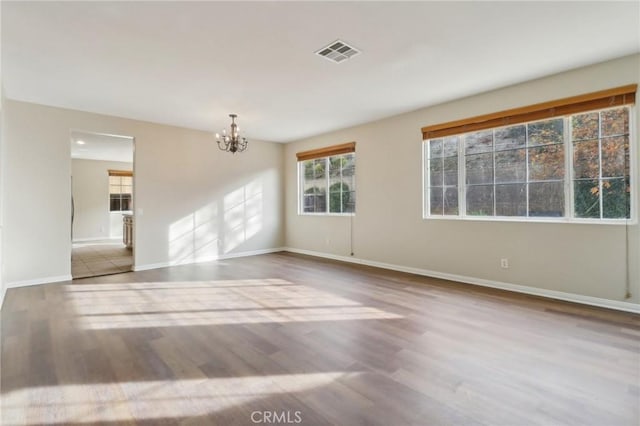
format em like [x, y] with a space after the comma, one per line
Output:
[232, 142]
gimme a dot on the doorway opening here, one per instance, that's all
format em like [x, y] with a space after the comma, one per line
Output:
[102, 197]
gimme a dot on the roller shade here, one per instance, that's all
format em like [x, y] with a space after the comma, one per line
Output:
[327, 151]
[120, 173]
[618, 96]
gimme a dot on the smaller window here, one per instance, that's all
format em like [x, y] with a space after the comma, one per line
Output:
[120, 190]
[327, 180]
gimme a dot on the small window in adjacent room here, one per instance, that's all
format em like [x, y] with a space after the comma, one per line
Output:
[120, 190]
[327, 180]
[563, 160]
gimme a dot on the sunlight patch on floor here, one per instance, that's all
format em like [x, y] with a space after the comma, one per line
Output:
[148, 400]
[226, 302]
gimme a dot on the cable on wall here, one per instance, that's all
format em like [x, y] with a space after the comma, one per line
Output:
[627, 277]
[351, 232]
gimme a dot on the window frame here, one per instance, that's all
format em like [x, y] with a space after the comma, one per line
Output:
[569, 177]
[120, 174]
[325, 154]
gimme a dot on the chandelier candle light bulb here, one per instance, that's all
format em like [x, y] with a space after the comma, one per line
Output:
[233, 143]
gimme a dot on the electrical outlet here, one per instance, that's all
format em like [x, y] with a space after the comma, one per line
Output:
[504, 263]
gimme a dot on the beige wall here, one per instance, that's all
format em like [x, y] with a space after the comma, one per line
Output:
[92, 218]
[587, 260]
[2, 157]
[197, 202]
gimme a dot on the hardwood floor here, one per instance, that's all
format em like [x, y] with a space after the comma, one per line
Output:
[279, 338]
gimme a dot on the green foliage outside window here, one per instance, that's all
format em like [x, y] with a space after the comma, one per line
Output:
[339, 197]
[521, 170]
[335, 173]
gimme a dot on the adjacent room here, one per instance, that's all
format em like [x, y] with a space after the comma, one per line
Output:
[101, 204]
[319, 213]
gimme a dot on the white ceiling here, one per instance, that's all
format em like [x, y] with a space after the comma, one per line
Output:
[192, 63]
[94, 146]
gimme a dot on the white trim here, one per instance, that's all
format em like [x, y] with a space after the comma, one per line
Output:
[37, 281]
[327, 214]
[634, 139]
[530, 219]
[83, 240]
[552, 294]
[149, 266]
[299, 188]
[251, 253]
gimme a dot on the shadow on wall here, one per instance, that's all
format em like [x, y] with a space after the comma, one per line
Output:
[219, 227]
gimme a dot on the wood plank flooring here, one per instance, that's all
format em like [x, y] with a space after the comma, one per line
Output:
[291, 339]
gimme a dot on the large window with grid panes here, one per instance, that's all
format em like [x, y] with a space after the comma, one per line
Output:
[572, 167]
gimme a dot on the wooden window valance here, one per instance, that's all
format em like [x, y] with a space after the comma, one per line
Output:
[618, 96]
[344, 148]
[120, 173]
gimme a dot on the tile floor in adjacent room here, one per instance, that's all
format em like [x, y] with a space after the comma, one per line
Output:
[103, 257]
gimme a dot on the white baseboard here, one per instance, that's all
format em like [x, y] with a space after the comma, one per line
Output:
[149, 266]
[37, 281]
[251, 253]
[552, 294]
[110, 240]
[88, 240]
[570, 297]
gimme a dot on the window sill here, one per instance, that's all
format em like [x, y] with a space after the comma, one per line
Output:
[563, 221]
[327, 214]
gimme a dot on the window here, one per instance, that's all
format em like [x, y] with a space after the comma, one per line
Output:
[515, 171]
[327, 180]
[601, 179]
[574, 166]
[443, 166]
[120, 190]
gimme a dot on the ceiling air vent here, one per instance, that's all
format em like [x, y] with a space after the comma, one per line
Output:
[338, 51]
